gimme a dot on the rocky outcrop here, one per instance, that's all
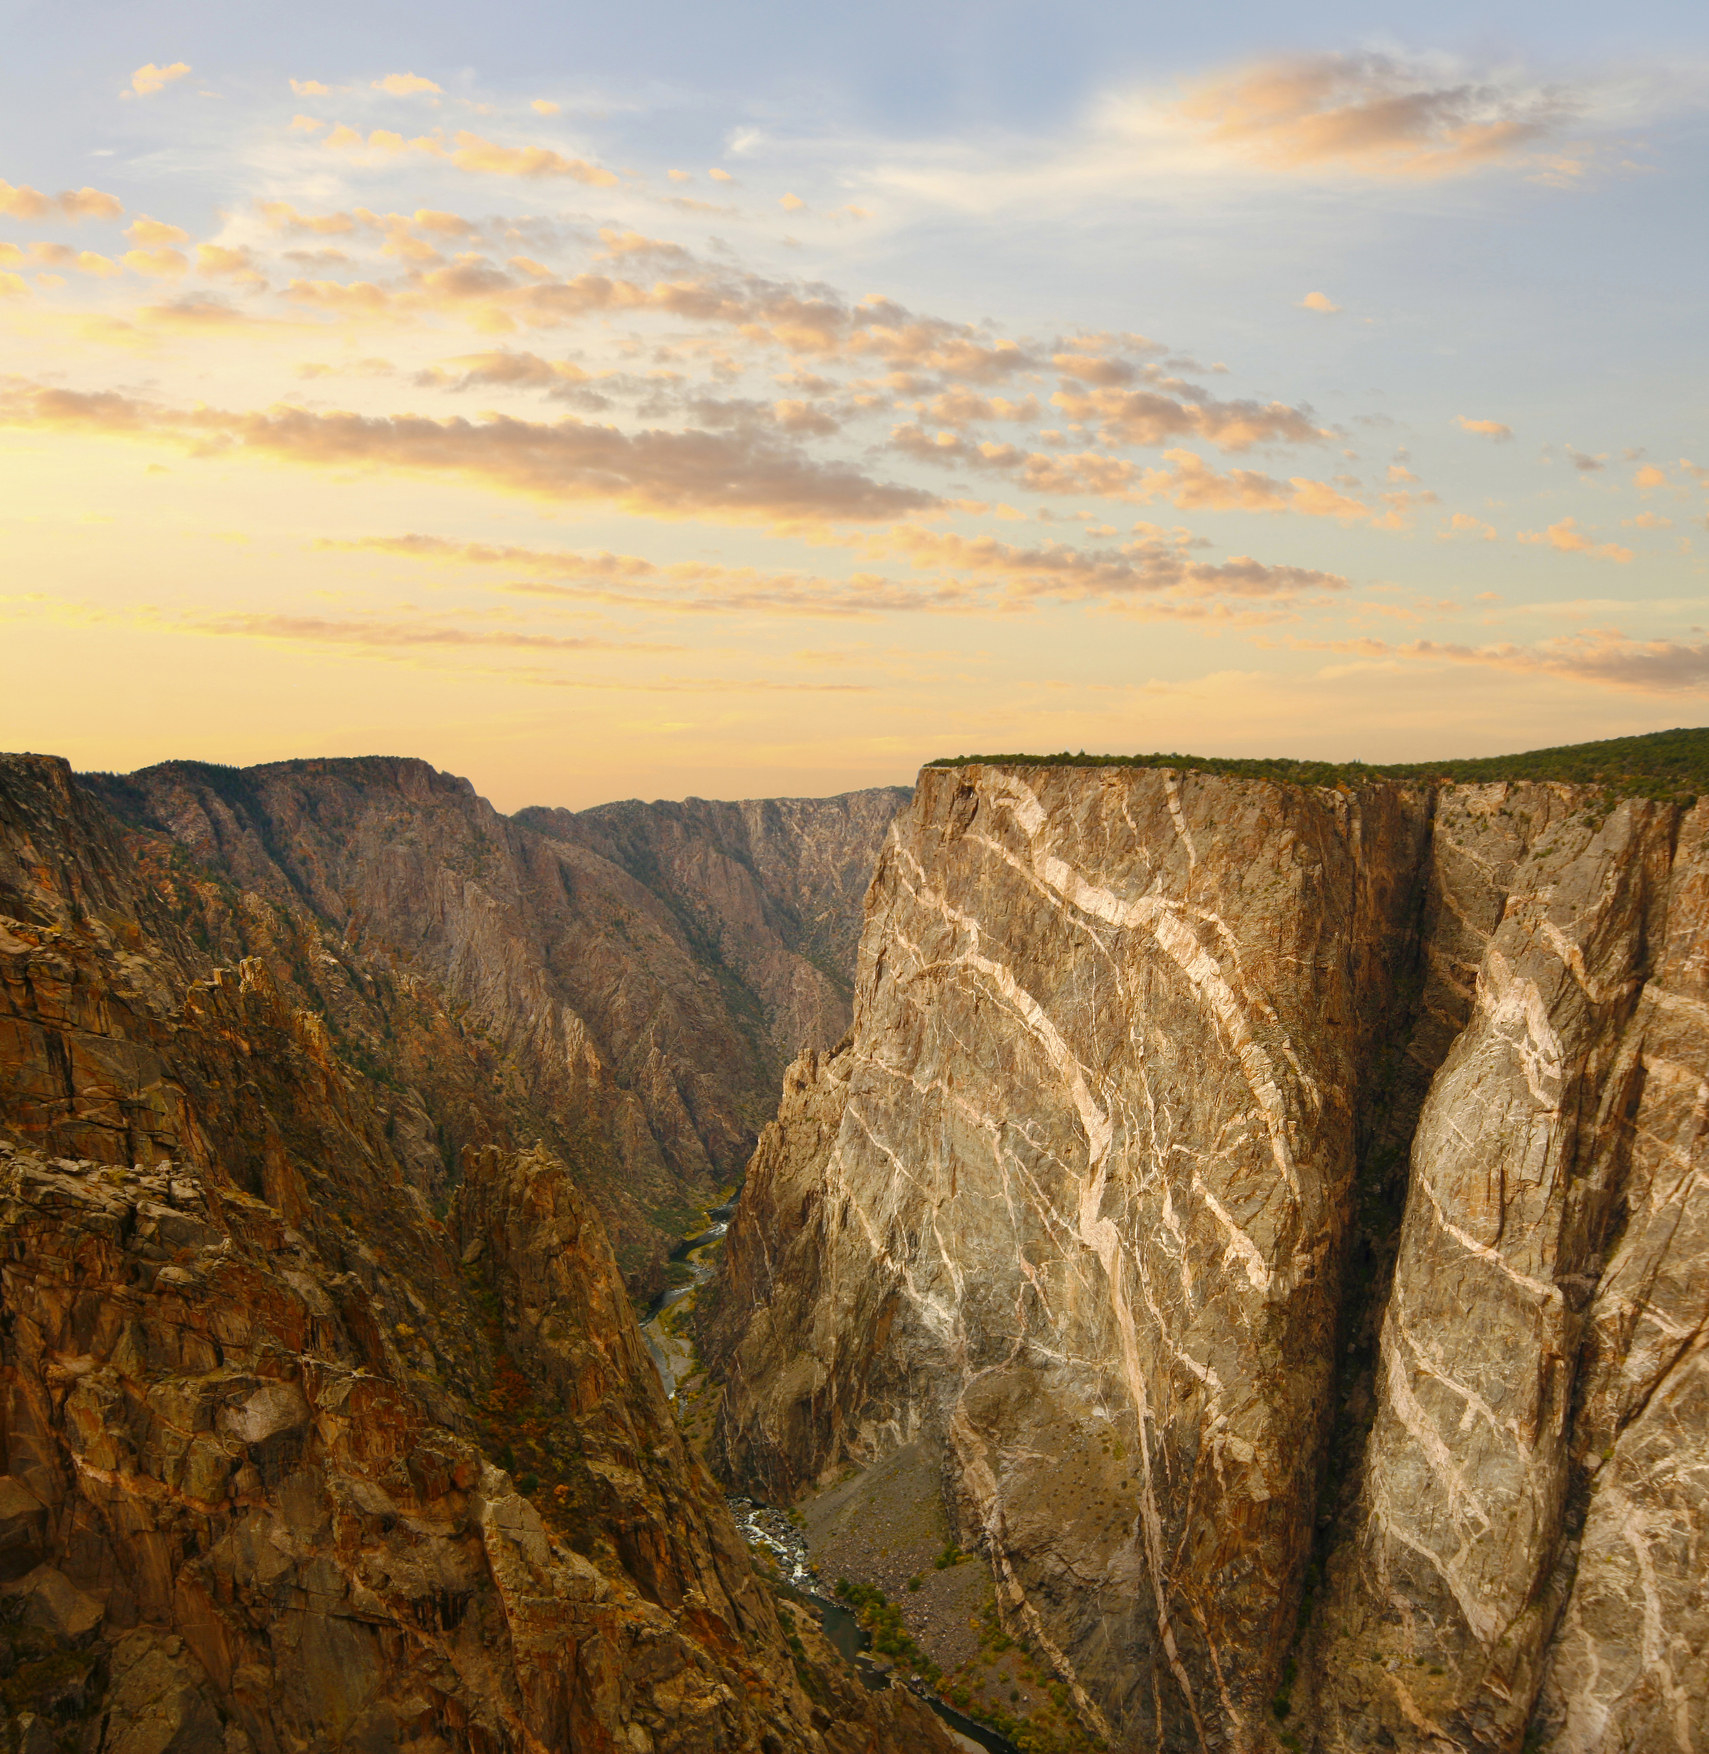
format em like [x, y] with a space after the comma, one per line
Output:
[292, 1463]
[642, 973]
[1105, 1194]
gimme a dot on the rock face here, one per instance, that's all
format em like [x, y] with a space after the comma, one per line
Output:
[1287, 1211]
[291, 1463]
[642, 973]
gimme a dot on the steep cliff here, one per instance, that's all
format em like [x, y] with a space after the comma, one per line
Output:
[1103, 1195]
[291, 1462]
[643, 973]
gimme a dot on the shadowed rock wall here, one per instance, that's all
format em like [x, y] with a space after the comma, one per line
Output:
[292, 1462]
[643, 972]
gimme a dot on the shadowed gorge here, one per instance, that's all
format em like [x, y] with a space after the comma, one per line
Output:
[636, 977]
[309, 1443]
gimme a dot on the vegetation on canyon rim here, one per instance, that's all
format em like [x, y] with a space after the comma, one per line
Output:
[1671, 766]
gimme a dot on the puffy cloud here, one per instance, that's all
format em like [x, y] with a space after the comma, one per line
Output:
[791, 203]
[543, 106]
[144, 230]
[217, 259]
[1319, 301]
[741, 476]
[100, 267]
[149, 79]
[1151, 417]
[406, 85]
[165, 264]
[1368, 114]
[1464, 524]
[20, 201]
[720, 176]
[1489, 429]
[1650, 476]
[472, 153]
[310, 88]
[306, 124]
[1570, 539]
[13, 286]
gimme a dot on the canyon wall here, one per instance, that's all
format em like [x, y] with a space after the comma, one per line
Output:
[642, 973]
[1285, 1209]
[299, 1455]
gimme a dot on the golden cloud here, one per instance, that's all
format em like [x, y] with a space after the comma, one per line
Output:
[474, 153]
[149, 79]
[1319, 301]
[164, 264]
[1368, 114]
[406, 85]
[1570, 539]
[1604, 656]
[144, 230]
[1159, 560]
[310, 88]
[20, 201]
[741, 476]
[990, 577]
[1490, 429]
[1150, 417]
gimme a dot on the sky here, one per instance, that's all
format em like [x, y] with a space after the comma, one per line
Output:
[759, 399]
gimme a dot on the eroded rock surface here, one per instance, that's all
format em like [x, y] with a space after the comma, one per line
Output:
[292, 1463]
[644, 972]
[1095, 1193]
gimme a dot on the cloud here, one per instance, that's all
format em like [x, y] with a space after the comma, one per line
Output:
[543, 106]
[1150, 417]
[217, 259]
[1489, 429]
[13, 286]
[989, 577]
[741, 476]
[163, 264]
[1369, 115]
[1650, 476]
[1567, 537]
[1603, 656]
[1464, 524]
[19, 201]
[144, 230]
[1157, 561]
[791, 203]
[1319, 301]
[310, 88]
[485, 158]
[406, 85]
[149, 79]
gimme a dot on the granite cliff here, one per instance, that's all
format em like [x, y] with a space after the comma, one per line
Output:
[1283, 1208]
[305, 1447]
[639, 975]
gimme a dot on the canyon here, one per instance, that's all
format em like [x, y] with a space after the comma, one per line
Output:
[1247, 1221]
[1280, 1211]
[315, 1436]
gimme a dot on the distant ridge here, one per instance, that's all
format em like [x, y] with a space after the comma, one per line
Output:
[1668, 765]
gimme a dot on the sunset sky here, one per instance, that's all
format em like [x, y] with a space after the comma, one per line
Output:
[755, 399]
